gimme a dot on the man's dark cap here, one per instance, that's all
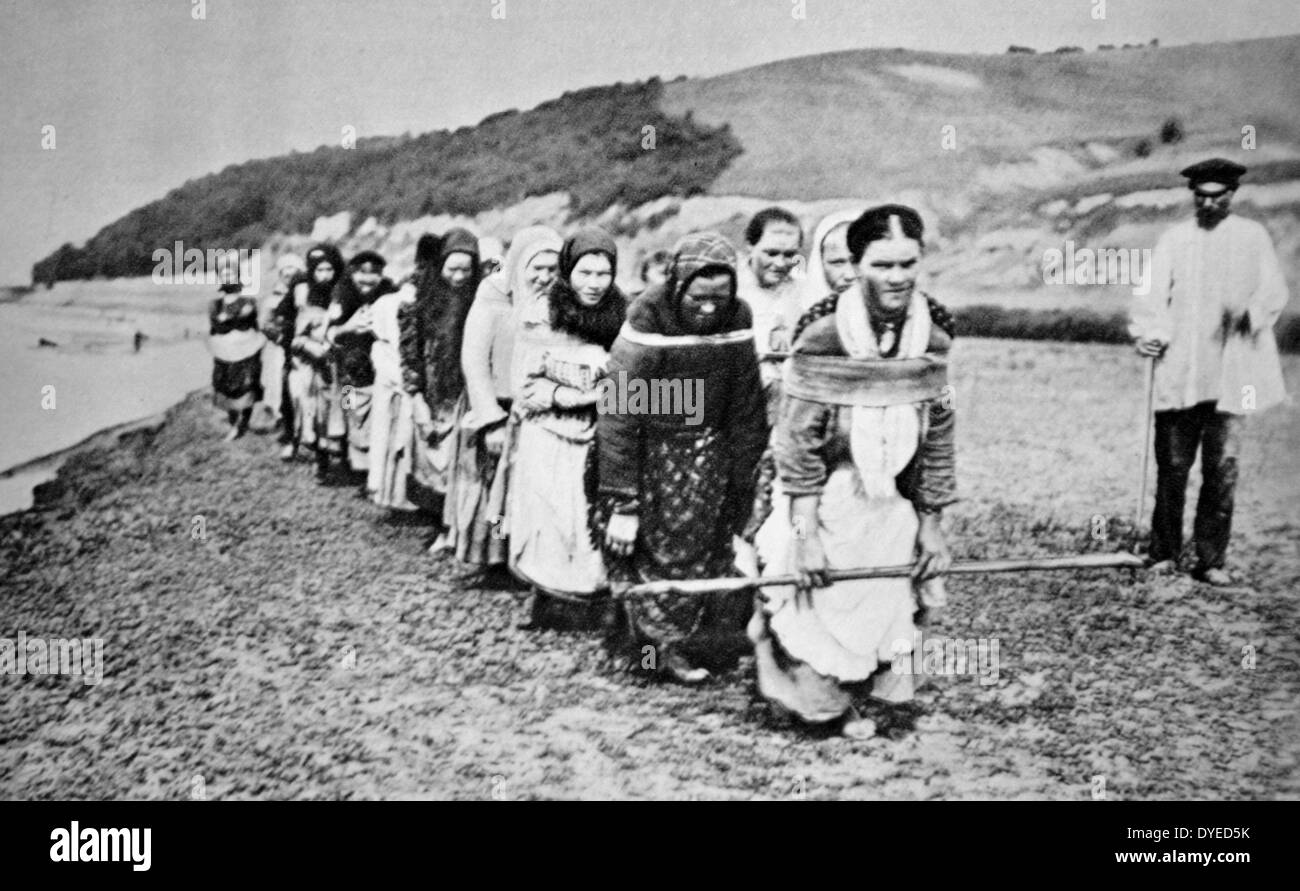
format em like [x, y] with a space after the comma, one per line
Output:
[368, 258]
[1215, 170]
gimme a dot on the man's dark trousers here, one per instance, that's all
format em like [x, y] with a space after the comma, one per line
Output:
[1179, 433]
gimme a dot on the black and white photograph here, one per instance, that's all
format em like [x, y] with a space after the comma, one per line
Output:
[690, 400]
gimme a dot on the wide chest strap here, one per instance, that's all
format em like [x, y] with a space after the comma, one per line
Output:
[839, 380]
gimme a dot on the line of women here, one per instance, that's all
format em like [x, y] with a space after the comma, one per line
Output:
[496, 401]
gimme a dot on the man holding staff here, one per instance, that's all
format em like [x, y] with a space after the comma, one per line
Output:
[1207, 322]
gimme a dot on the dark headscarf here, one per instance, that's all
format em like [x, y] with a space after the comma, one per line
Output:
[439, 314]
[318, 294]
[587, 240]
[656, 311]
[426, 250]
[595, 324]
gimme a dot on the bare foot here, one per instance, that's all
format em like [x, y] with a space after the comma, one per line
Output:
[858, 727]
[682, 671]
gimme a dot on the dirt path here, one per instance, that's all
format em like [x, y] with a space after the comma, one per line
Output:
[306, 647]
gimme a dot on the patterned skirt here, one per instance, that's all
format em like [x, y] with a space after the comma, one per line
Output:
[684, 533]
[237, 385]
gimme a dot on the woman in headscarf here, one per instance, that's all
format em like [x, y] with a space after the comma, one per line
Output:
[274, 364]
[864, 450]
[300, 320]
[676, 482]
[392, 428]
[431, 326]
[830, 271]
[475, 507]
[236, 344]
[830, 268]
[561, 350]
[349, 336]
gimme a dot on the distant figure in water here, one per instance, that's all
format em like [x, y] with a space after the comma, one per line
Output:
[46, 342]
[138, 340]
[236, 345]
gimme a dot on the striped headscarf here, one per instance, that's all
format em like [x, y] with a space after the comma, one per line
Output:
[656, 310]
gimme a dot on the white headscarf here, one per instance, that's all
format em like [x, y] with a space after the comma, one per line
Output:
[814, 287]
[527, 243]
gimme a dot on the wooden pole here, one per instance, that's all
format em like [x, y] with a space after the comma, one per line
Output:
[968, 567]
[1146, 444]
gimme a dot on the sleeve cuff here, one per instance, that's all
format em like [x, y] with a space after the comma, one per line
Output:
[475, 421]
[796, 489]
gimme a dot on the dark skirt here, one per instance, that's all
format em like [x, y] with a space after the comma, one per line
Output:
[684, 533]
[237, 385]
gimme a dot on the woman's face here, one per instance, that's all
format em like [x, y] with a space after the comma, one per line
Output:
[324, 272]
[366, 278]
[706, 302]
[888, 270]
[777, 253]
[591, 277]
[837, 266]
[540, 270]
[457, 268]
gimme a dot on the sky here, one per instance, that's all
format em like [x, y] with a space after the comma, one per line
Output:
[145, 94]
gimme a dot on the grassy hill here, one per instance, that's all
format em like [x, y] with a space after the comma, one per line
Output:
[863, 123]
[1029, 138]
[591, 143]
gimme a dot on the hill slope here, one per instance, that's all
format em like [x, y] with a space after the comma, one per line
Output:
[592, 143]
[857, 124]
[1026, 131]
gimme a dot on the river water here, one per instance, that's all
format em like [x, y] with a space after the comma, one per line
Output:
[92, 377]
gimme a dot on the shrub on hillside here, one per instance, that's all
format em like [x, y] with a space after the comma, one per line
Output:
[596, 144]
[1171, 131]
[1074, 325]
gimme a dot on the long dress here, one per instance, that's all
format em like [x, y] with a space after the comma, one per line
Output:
[356, 379]
[354, 375]
[236, 344]
[475, 509]
[310, 376]
[392, 427]
[690, 478]
[871, 437]
[550, 542]
[431, 329]
[273, 354]
[475, 505]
